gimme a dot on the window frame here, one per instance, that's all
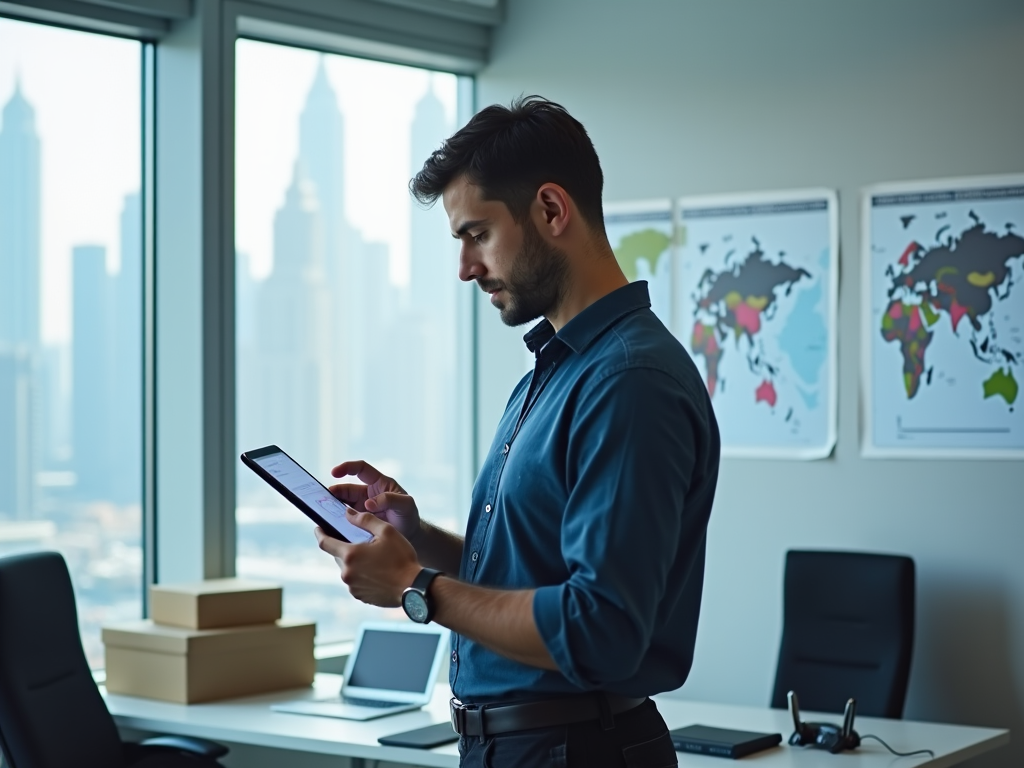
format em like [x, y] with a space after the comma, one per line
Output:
[143, 29]
[188, 123]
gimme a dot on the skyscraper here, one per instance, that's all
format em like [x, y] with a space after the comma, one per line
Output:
[126, 370]
[430, 337]
[19, 304]
[321, 153]
[93, 427]
[16, 432]
[19, 223]
[248, 407]
[433, 266]
[296, 398]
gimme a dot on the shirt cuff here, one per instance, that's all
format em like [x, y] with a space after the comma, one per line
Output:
[548, 614]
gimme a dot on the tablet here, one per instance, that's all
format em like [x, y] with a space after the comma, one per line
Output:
[422, 738]
[303, 490]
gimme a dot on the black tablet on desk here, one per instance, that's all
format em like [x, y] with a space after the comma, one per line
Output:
[721, 742]
[422, 738]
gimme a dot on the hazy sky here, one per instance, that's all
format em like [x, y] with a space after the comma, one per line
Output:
[85, 89]
[86, 93]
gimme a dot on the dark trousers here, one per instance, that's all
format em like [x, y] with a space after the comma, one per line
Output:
[639, 740]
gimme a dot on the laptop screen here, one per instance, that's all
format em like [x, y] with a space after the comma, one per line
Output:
[394, 661]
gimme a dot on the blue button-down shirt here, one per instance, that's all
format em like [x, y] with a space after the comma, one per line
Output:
[596, 493]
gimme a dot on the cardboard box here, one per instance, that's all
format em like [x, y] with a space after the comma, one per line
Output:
[215, 603]
[193, 665]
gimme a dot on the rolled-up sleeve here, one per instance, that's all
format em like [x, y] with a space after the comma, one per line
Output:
[630, 460]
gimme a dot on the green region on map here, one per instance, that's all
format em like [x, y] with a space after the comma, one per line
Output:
[1003, 384]
[647, 244]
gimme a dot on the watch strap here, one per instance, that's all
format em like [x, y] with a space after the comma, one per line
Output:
[423, 579]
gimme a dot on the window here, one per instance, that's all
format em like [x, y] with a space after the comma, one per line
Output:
[345, 300]
[71, 312]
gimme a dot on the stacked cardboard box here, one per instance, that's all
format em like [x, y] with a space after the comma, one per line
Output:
[210, 640]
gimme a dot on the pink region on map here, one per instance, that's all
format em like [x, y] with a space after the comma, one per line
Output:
[955, 313]
[748, 318]
[905, 258]
[766, 394]
[915, 319]
[895, 310]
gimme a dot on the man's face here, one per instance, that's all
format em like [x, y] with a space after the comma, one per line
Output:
[524, 275]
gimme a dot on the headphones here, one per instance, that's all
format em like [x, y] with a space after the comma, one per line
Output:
[828, 736]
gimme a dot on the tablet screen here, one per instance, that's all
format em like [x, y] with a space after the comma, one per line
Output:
[313, 494]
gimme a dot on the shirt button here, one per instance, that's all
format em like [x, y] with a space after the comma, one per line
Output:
[506, 449]
[476, 556]
[455, 657]
[487, 508]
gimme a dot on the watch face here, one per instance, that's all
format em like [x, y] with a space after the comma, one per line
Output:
[415, 606]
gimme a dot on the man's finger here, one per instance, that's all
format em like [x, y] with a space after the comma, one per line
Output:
[367, 473]
[400, 502]
[329, 544]
[366, 521]
[350, 493]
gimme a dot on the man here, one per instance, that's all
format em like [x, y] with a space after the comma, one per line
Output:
[579, 578]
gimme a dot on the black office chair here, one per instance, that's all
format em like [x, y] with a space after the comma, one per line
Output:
[848, 631]
[51, 712]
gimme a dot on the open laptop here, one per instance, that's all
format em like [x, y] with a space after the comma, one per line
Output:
[392, 669]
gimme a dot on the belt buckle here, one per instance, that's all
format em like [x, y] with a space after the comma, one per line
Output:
[457, 712]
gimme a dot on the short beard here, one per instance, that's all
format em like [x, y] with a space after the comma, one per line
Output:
[536, 285]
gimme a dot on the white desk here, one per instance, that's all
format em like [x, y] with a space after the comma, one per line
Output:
[250, 721]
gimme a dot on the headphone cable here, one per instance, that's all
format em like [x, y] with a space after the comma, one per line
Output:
[898, 754]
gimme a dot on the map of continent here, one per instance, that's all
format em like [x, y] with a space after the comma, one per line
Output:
[649, 244]
[734, 304]
[641, 235]
[951, 283]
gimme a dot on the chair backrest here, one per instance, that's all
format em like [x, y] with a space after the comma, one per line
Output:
[51, 712]
[848, 631]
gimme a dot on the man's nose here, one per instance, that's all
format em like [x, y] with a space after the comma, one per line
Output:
[470, 267]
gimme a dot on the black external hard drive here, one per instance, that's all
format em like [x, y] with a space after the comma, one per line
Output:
[721, 742]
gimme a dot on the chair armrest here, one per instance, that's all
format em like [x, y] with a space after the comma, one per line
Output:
[191, 744]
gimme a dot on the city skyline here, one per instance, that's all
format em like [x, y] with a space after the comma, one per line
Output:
[87, 117]
[319, 318]
[89, 433]
[70, 313]
[343, 265]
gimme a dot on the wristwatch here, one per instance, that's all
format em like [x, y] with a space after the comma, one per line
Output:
[416, 599]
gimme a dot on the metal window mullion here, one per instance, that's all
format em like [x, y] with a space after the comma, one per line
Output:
[149, 544]
[195, 491]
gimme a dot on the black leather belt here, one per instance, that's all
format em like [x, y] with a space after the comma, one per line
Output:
[491, 719]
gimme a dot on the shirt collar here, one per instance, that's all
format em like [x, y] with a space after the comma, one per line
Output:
[580, 332]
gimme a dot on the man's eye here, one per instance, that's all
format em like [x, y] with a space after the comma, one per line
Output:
[480, 238]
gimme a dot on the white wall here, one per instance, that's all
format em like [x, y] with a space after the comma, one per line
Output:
[705, 96]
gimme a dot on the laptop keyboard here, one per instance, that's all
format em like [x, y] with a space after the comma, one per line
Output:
[371, 703]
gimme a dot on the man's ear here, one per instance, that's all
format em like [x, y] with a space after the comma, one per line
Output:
[553, 207]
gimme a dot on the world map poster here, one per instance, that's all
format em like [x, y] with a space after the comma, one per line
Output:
[642, 235]
[756, 308]
[943, 334]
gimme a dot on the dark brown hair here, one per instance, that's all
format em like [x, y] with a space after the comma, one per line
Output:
[509, 152]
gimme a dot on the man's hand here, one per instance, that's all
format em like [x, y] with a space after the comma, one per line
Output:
[380, 495]
[375, 571]
[378, 571]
